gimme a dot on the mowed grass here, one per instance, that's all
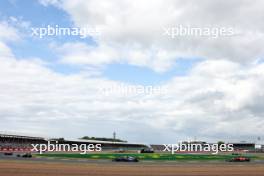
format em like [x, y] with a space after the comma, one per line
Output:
[145, 156]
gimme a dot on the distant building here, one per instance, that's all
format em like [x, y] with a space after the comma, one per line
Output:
[243, 146]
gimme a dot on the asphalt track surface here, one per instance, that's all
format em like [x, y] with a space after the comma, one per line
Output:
[13, 166]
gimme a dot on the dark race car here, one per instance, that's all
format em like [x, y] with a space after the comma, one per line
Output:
[239, 159]
[25, 155]
[147, 150]
[8, 153]
[126, 159]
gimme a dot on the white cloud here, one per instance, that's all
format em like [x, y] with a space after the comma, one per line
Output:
[4, 50]
[7, 32]
[218, 96]
[135, 28]
[80, 53]
[210, 103]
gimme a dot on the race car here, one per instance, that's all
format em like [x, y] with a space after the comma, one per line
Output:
[8, 153]
[146, 150]
[126, 159]
[239, 159]
[25, 155]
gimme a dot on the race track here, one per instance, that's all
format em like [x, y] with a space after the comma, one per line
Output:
[43, 167]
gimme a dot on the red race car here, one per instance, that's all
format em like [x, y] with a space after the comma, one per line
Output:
[239, 159]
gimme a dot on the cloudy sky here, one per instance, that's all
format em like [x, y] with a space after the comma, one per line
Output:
[52, 86]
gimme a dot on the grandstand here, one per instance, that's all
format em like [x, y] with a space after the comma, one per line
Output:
[244, 146]
[22, 143]
[11, 142]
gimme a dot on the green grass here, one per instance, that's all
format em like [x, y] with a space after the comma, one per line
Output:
[145, 156]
